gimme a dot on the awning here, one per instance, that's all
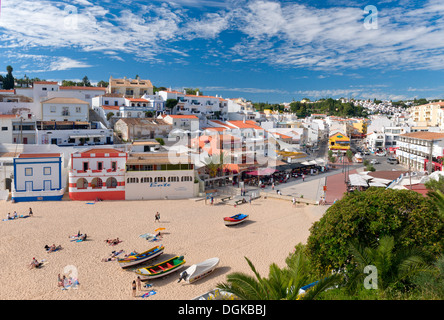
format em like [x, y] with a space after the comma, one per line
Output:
[261, 172]
[86, 136]
[357, 181]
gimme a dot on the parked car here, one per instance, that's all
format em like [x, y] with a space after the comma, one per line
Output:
[392, 160]
[381, 154]
[375, 161]
[366, 153]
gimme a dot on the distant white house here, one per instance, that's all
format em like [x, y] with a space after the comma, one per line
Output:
[37, 177]
[65, 109]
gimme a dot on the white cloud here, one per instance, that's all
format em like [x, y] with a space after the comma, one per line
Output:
[283, 34]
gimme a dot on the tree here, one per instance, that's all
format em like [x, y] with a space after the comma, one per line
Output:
[85, 82]
[192, 91]
[68, 83]
[8, 81]
[368, 215]
[436, 193]
[349, 155]
[171, 103]
[394, 267]
[102, 83]
[281, 284]
[109, 115]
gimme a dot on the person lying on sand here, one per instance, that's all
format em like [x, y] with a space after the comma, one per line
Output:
[112, 256]
[53, 248]
[113, 242]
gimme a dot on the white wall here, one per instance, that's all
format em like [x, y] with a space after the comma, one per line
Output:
[152, 191]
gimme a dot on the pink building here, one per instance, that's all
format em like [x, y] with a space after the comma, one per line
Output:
[97, 174]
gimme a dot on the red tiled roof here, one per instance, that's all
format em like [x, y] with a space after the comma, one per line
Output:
[137, 99]
[6, 116]
[111, 107]
[185, 116]
[39, 155]
[82, 88]
[244, 125]
[102, 150]
[45, 82]
[424, 135]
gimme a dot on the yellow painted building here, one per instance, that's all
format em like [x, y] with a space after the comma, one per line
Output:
[338, 142]
[134, 88]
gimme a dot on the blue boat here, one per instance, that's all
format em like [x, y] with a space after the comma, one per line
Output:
[236, 219]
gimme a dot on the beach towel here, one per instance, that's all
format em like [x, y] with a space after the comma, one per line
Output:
[90, 203]
[148, 294]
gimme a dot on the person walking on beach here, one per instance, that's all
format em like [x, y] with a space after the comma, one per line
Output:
[139, 283]
[303, 177]
[157, 217]
[133, 287]
[30, 212]
[294, 201]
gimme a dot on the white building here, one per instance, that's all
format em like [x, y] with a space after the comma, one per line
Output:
[65, 109]
[158, 176]
[37, 177]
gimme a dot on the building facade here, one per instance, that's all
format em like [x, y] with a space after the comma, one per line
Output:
[37, 177]
[157, 176]
[97, 174]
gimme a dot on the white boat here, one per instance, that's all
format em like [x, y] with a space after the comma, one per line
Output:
[199, 270]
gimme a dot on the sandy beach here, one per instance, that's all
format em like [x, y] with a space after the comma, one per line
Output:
[192, 229]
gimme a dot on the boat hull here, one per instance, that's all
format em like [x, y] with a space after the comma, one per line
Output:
[230, 221]
[201, 270]
[161, 269]
[124, 263]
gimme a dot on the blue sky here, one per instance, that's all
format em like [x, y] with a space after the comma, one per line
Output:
[261, 50]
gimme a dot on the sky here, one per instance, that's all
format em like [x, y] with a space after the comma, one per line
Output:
[260, 50]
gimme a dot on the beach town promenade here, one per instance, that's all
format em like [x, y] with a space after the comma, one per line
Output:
[193, 229]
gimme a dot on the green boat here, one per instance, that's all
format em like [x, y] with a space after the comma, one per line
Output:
[161, 269]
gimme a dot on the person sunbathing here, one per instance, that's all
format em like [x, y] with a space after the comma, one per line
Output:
[53, 248]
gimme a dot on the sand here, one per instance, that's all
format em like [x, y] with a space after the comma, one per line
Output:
[192, 229]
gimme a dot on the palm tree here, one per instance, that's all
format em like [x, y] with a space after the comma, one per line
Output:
[281, 284]
[438, 199]
[393, 266]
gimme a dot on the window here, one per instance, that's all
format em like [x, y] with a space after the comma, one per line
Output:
[78, 109]
[52, 109]
[114, 165]
[47, 171]
[96, 183]
[146, 180]
[4, 128]
[111, 182]
[160, 179]
[99, 165]
[186, 178]
[82, 183]
[132, 180]
[28, 171]
[173, 179]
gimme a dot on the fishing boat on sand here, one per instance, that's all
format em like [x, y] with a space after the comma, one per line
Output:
[199, 270]
[236, 219]
[141, 257]
[161, 269]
